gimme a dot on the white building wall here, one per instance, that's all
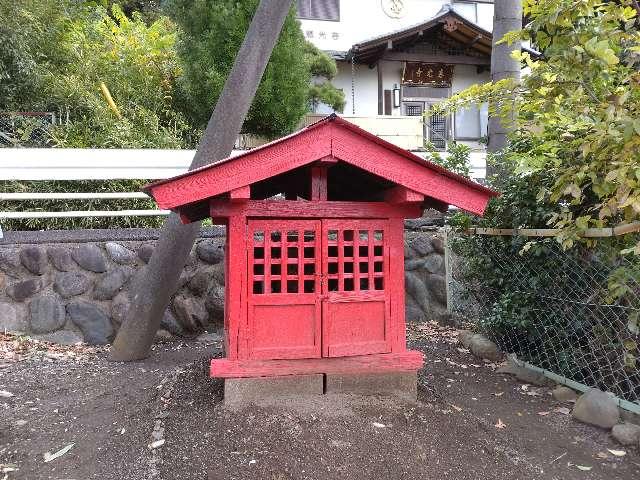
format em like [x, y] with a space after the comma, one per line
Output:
[469, 122]
[364, 19]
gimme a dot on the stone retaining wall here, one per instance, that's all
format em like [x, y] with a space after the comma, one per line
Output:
[73, 286]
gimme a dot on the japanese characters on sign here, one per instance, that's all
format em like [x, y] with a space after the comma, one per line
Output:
[418, 73]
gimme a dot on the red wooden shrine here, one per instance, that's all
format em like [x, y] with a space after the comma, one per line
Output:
[315, 251]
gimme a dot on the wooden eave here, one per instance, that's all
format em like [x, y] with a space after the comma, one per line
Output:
[476, 40]
[330, 137]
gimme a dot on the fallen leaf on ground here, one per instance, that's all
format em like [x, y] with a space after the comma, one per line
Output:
[500, 424]
[562, 410]
[542, 414]
[378, 425]
[617, 453]
[48, 456]
[498, 394]
[5, 394]
[584, 468]
[156, 444]
[602, 455]
[456, 408]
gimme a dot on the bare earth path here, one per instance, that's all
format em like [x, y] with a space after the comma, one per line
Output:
[108, 412]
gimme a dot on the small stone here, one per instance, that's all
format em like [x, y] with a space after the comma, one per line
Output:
[214, 304]
[190, 313]
[34, 259]
[598, 408]
[434, 263]
[564, 394]
[210, 251]
[70, 284]
[90, 257]
[482, 347]
[20, 291]
[109, 284]
[626, 433]
[92, 322]
[60, 258]
[437, 285]
[171, 324]
[46, 314]
[61, 337]
[145, 252]
[199, 283]
[464, 338]
[438, 244]
[120, 254]
[12, 319]
[408, 253]
[163, 335]
[422, 245]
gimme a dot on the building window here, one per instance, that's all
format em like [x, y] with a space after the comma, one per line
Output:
[319, 10]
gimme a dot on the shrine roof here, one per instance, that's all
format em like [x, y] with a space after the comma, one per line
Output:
[331, 137]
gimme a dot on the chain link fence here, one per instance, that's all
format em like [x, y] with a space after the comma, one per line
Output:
[573, 313]
[26, 129]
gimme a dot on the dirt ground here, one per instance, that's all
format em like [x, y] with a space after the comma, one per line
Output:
[469, 423]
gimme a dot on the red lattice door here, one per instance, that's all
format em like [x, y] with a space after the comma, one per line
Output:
[356, 306]
[284, 303]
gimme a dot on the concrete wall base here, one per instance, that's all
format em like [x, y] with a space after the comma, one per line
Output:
[402, 385]
[262, 390]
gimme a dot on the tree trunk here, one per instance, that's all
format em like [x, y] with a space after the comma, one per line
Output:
[153, 287]
[507, 16]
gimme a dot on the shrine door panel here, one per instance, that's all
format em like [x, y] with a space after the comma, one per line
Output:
[356, 307]
[284, 309]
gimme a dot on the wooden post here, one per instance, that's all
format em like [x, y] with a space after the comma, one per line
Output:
[152, 289]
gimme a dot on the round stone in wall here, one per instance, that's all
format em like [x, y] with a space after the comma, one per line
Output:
[437, 285]
[70, 284]
[210, 251]
[60, 258]
[92, 321]
[90, 257]
[20, 291]
[9, 262]
[12, 319]
[34, 259]
[214, 303]
[422, 245]
[438, 244]
[171, 324]
[145, 252]
[190, 313]
[434, 263]
[109, 284]
[46, 314]
[119, 308]
[120, 254]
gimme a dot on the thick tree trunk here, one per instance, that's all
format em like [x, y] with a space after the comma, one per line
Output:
[507, 16]
[153, 288]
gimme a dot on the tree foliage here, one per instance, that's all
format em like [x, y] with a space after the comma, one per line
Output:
[211, 32]
[578, 112]
[323, 69]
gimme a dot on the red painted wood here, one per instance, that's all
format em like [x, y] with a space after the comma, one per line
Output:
[332, 137]
[241, 193]
[319, 183]
[356, 320]
[388, 362]
[258, 164]
[235, 287]
[284, 320]
[305, 209]
[400, 194]
[396, 285]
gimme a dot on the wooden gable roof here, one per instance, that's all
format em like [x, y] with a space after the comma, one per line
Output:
[330, 137]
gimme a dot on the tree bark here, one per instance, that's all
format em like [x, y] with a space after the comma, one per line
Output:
[507, 16]
[153, 287]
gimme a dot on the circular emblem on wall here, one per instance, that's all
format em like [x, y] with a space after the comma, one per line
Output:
[394, 8]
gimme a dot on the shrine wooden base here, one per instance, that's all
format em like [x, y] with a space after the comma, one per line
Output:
[408, 361]
[260, 381]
